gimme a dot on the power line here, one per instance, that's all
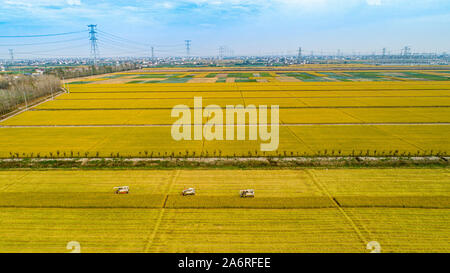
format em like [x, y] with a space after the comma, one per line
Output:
[42, 35]
[121, 38]
[121, 44]
[129, 41]
[44, 43]
[52, 50]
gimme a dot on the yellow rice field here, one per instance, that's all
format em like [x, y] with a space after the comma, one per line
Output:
[375, 117]
[293, 210]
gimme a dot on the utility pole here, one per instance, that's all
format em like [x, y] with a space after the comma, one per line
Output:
[11, 54]
[188, 47]
[221, 52]
[25, 97]
[299, 55]
[406, 50]
[93, 38]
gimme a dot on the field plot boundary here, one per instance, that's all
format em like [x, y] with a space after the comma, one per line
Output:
[101, 200]
[280, 124]
[152, 235]
[265, 90]
[244, 106]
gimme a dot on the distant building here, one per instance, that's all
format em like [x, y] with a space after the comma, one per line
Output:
[38, 72]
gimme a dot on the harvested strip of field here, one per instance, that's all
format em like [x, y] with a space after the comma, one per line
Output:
[254, 203]
[79, 200]
[220, 189]
[107, 200]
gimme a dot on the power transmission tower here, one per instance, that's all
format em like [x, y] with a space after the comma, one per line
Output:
[406, 50]
[299, 56]
[153, 55]
[221, 52]
[188, 47]
[384, 52]
[11, 55]
[93, 38]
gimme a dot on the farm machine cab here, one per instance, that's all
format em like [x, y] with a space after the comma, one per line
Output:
[247, 193]
[188, 191]
[121, 190]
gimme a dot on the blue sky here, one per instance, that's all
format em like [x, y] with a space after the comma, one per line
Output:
[246, 27]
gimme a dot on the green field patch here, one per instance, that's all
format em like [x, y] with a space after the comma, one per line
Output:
[153, 76]
[337, 76]
[176, 80]
[80, 82]
[373, 76]
[428, 77]
[136, 81]
[211, 75]
[240, 75]
[244, 80]
[264, 74]
[303, 76]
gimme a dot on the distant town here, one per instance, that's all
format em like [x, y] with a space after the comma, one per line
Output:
[41, 65]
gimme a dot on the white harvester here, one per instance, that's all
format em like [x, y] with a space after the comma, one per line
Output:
[188, 191]
[122, 190]
[247, 193]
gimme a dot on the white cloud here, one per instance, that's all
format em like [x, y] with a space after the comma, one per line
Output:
[74, 2]
[374, 2]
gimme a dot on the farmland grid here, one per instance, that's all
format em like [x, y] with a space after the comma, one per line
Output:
[390, 112]
[330, 227]
[409, 117]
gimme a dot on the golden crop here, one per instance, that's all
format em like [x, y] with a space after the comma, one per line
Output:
[294, 210]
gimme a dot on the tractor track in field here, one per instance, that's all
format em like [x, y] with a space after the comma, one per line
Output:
[324, 190]
[280, 107]
[291, 97]
[281, 125]
[152, 236]
[262, 90]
